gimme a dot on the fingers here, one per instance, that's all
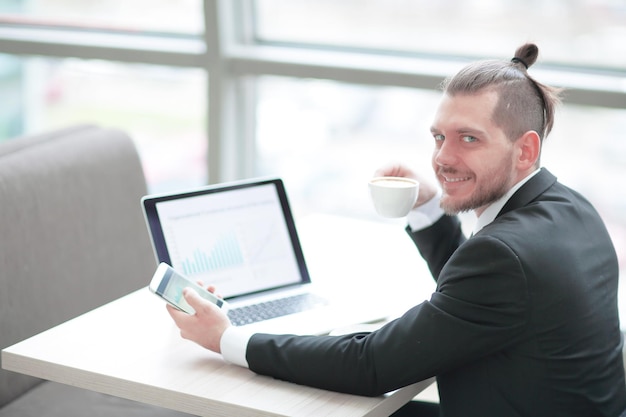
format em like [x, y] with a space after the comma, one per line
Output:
[209, 288]
[179, 317]
[174, 312]
[206, 326]
[394, 170]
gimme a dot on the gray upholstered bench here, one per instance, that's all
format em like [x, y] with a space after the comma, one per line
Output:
[72, 237]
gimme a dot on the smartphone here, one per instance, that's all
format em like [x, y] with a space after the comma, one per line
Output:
[169, 284]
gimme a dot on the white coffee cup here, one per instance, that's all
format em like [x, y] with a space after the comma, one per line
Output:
[393, 196]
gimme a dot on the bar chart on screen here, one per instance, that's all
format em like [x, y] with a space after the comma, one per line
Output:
[225, 253]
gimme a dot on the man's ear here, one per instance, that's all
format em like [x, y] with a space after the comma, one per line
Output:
[529, 150]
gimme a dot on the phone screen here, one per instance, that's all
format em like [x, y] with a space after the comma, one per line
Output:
[171, 288]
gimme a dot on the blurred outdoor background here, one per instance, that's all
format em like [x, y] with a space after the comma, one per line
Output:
[318, 92]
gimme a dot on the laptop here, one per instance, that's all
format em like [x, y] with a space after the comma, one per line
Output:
[241, 237]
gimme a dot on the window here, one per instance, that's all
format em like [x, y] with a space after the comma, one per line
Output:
[327, 138]
[587, 32]
[170, 16]
[162, 108]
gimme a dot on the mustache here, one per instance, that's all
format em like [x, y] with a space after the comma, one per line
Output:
[450, 171]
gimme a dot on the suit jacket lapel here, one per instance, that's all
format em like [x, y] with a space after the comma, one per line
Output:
[529, 191]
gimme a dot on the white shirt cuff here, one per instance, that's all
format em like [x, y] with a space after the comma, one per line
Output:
[425, 215]
[234, 344]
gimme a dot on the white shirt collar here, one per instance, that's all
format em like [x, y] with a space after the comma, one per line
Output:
[494, 208]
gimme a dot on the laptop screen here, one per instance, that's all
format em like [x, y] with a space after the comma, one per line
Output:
[240, 237]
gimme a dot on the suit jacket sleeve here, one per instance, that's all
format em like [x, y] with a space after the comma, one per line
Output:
[438, 242]
[480, 306]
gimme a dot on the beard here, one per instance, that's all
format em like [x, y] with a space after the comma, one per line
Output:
[497, 183]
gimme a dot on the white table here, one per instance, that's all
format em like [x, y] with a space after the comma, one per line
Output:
[130, 348]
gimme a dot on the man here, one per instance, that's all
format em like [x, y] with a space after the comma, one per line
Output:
[524, 319]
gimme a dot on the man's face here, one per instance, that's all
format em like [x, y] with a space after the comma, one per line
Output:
[473, 159]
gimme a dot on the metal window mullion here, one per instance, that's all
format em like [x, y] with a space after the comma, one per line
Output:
[584, 88]
[130, 48]
[231, 97]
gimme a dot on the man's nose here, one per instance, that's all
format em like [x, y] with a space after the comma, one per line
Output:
[445, 154]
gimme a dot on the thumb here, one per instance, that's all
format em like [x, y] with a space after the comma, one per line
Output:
[192, 298]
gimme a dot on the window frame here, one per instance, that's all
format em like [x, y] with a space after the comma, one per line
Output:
[232, 59]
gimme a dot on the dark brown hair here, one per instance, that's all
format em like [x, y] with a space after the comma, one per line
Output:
[523, 103]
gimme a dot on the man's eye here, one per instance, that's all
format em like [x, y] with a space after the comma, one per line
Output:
[469, 139]
[439, 137]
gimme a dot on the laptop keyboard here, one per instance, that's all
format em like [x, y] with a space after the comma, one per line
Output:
[274, 308]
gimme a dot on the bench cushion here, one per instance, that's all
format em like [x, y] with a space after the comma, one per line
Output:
[57, 400]
[73, 235]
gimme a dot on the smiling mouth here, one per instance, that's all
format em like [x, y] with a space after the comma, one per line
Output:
[455, 179]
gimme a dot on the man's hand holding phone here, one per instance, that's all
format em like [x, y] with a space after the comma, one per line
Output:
[198, 312]
[206, 326]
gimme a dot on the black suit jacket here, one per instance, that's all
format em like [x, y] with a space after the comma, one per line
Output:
[523, 322]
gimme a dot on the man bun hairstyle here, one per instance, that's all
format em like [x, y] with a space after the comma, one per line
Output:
[523, 103]
[526, 55]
